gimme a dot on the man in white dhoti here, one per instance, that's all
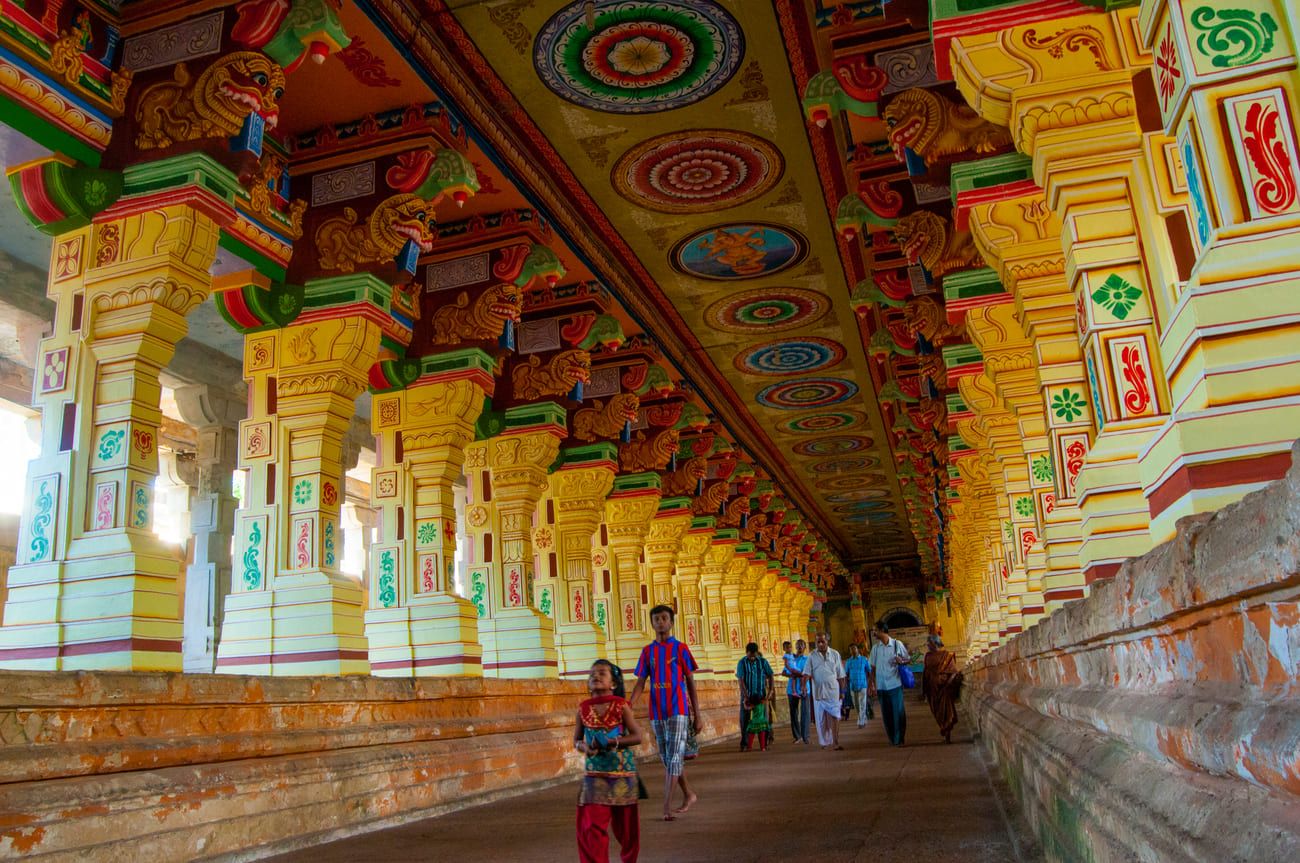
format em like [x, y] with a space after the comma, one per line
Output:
[827, 670]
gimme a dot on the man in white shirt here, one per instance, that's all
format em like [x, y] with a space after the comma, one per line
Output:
[827, 672]
[883, 681]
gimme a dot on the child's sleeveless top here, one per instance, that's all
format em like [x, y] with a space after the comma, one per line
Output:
[610, 779]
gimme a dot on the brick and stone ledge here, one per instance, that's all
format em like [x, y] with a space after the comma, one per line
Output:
[103, 766]
[1161, 715]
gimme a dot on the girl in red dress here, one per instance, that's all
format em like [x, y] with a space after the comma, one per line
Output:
[606, 733]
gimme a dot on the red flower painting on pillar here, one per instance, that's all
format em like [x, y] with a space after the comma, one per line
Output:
[717, 632]
[629, 616]
[1138, 397]
[426, 574]
[579, 612]
[516, 588]
[1275, 189]
[1167, 70]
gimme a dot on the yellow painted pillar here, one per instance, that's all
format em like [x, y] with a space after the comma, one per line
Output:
[732, 586]
[749, 596]
[713, 572]
[663, 544]
[630, 510]
[93, 587]
[416, 625]
[291, 610]
[1225, 180]
[763, 604]
[686, 586]
[578, 490]
[518, 640]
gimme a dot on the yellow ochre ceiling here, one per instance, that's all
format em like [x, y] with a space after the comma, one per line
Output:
[681, 120]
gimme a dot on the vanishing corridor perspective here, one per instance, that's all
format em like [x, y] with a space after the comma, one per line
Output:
[369, 369]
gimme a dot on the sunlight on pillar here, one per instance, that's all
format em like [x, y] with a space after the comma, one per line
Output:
[16, 449]
[459, 579]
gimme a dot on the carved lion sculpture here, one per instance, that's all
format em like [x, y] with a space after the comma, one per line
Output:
[927, 318]
[736, 507]
[932, 127]
[925, 238]
[605, 421]
[686, 478]
[652, 453]
[484, 319]
[344, 241]
[214, 105]
[710, 500]
[533, 379]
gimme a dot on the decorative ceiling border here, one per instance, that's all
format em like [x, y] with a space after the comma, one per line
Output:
[427, 32]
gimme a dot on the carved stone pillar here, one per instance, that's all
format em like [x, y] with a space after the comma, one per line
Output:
[215, 416]
[713, 572]
[416, 625]
[94, 587]
[662, 545]
[629, 512]
[732, 586]
[749, 596]
[578, 490]
[686, 583]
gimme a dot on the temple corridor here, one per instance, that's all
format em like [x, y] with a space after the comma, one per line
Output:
[872, 802]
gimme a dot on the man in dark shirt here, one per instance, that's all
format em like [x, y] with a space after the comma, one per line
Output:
[756, 684]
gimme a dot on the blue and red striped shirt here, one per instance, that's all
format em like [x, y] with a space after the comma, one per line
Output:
[666, 664]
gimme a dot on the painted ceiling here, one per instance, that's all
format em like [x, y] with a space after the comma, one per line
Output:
[681, 121]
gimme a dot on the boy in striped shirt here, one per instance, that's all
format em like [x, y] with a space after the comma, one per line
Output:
[674, 710]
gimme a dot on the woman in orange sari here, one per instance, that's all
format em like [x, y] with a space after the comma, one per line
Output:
[941, 685]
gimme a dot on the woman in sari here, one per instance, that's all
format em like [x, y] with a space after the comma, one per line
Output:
[941, 685]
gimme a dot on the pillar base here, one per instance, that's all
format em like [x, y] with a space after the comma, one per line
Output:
[518, 642]
[437, 638]
[579, 645]
[627, 649]
[717, 658]
[306, 629]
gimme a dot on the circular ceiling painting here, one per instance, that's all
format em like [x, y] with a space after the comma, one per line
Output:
[861, 506]
[638, 57]
[856, 494]
[823, 422]
[856, 481]
[832, 445]
[697, 172]
[790, 357]
[767, 310]
[807, 393]
[843, 465]
[739, 251]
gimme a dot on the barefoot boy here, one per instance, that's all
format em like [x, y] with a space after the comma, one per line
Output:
[674, 710]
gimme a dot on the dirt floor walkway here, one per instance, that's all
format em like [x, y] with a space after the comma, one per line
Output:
[925, 801]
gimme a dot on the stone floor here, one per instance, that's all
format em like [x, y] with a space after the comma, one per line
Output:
[925, 801]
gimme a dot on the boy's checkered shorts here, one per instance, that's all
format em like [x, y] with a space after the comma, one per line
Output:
[670, 737]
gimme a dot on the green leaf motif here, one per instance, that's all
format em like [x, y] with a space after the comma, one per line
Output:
[545, 607]
[600, 615]
[110, 444]
[95, 193]
[387, 579]
[40, 544]
[1024, 507]
[1117, 296]
[302, 492]
[1067, 405]
[478, 588]
[426, 533]
[1249, 31]
[252, 570]
[1042, 468]
[329, 543]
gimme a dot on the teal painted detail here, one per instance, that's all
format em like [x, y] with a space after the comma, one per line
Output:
[329, 543]
[40, 544]
[478, 587]
[387, 579]
[1197, 192]
[1096, 399]
[140, 515]
[252, 569]
[302, 492]
[110, 444]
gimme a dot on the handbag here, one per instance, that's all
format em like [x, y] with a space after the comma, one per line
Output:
[905, 675]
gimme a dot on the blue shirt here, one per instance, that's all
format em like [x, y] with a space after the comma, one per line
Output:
[882, 659]
[667, 663]
[794, 666]
[857, 667]
[754, 673]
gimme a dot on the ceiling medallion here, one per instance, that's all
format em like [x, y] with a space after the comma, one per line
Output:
[855, 494]
[856, 481]
[807, 393]
[844, 465]
[697, 172]
[766, 310]
[832, 445]
[823, 422]
[738, 251]
[790, 357]
[638, 57]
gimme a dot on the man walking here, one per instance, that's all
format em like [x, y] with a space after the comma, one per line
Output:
[796, 690]
[674, 708]
[827, 672]
[857, 667]
[756, 684]
[883, 680]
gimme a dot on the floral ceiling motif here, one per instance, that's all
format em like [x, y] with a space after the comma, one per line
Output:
[697, 172]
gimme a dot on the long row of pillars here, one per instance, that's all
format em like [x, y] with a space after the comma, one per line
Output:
[1143, 366]
[94, 588]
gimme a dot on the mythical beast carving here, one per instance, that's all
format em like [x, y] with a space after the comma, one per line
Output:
[533, 380]
[485, 318]
[344, 241]
[652, 453]
[213, 105]
[928, 239]
[932, 127]
[605, 421]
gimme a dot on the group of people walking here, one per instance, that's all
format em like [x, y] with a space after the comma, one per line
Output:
[818, 684]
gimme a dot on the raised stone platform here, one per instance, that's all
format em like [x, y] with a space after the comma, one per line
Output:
[1159, 718]
[102, 766]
